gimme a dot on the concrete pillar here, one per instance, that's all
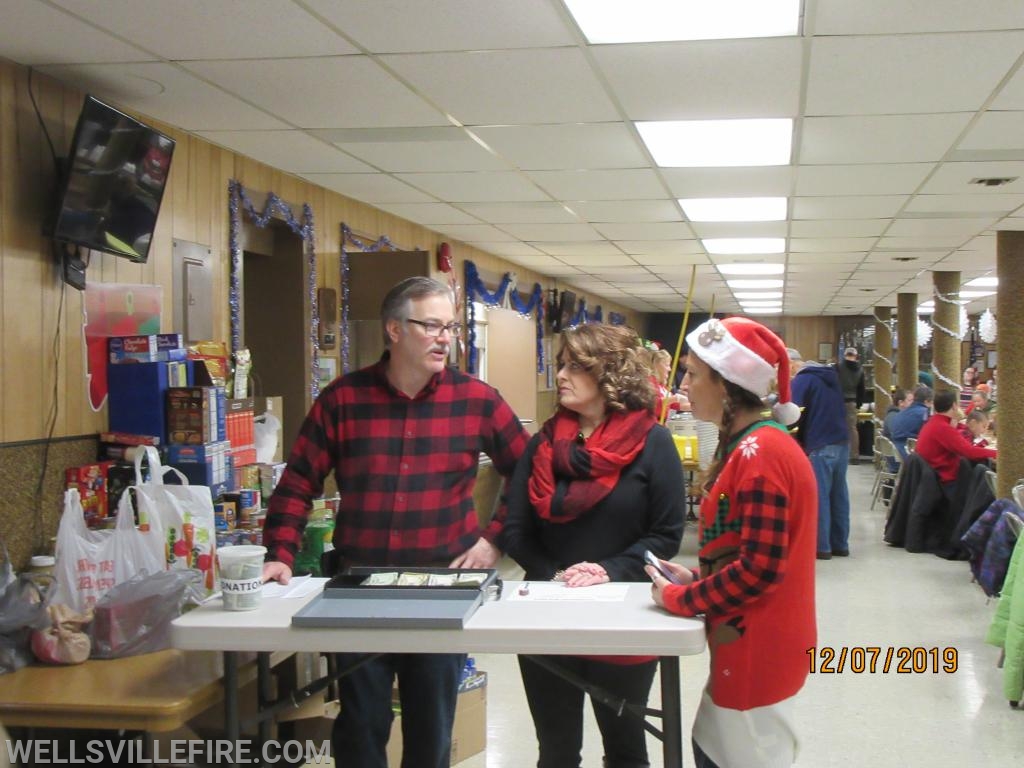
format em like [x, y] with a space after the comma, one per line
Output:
[883, 362]
[946, 368]
[1009, 343]
[906, 330]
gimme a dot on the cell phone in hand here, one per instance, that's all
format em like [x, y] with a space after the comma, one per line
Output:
[651, 560]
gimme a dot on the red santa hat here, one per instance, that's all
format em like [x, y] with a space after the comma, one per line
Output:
[749, 355]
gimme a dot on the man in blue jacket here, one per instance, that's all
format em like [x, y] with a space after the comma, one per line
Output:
[823, 433]
[908, 422]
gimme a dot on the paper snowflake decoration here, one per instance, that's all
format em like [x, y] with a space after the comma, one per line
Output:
[924, 333]
[987, 327]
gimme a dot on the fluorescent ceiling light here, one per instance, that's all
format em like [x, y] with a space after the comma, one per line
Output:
[641, 21]
[976, 294]
[749, 304]
[758, 295]
[744, 245]
[928, 307]
[762, 283]
[734, 208]
[748, 268]
[762, 311]
[718, 143]
[983, 282]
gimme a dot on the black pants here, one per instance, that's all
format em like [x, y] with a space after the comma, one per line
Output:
[427, 683]
[557, 709]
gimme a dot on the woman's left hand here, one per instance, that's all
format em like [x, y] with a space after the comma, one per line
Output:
[584, 575]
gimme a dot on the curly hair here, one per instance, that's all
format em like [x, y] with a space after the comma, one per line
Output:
[613, 356]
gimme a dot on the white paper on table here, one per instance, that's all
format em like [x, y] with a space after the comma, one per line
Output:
[298, 586]
[557, 591]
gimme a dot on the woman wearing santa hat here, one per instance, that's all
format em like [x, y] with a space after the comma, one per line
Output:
[758, 530]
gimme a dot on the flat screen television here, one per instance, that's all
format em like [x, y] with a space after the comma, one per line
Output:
[113, 182]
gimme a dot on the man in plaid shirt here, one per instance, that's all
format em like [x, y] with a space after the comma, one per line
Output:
[403, 438]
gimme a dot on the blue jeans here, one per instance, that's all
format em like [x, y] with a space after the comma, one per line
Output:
[829, 463]
[427, 683]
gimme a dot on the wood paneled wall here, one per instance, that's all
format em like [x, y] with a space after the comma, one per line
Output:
[41, 344]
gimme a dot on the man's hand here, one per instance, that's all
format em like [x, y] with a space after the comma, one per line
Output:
[275, 571]
[483, 554]
[585, 574]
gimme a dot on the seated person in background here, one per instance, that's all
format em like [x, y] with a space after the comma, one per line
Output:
[901, 399]
[970, 381]
[908, 422]
[974, 428]
[981, 401]
[942, 446]
[599, 485]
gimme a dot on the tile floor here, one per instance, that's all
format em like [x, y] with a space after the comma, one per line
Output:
[879, 596]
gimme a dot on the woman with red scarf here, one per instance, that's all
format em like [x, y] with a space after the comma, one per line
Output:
[597, 486]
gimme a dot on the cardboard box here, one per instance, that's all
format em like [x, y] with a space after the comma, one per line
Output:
[136, 401]
[161, 347]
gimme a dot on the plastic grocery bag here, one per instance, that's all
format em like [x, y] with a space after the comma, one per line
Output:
[135, 617]
[90, 562]
[22, 609]
[184, 514]
[267, 433]
[63, 642]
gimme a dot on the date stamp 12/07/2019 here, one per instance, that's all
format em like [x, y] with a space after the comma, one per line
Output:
[867, 659]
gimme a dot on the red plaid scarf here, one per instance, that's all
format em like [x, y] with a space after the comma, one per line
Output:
[571, 476]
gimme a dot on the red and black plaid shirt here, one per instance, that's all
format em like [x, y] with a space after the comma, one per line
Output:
[405, 467]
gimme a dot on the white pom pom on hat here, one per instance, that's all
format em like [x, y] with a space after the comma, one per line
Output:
[749, 355]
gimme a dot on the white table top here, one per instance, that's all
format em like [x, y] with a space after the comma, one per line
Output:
[632, 626]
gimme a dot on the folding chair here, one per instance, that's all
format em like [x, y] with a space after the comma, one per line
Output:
[886, 476]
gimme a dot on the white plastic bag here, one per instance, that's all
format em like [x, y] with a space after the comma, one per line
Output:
[184, 513]
[90, 562]
[267, 434]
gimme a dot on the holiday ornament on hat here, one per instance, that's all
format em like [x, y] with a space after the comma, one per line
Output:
[749, 355]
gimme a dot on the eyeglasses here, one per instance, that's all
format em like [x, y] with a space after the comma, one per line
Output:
[433, 329]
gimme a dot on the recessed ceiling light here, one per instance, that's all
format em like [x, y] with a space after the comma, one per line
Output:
[718, 143]
[744, 245]
[748, 268]
[983, 282]
[755, 283]
[642, 21]
[758, 295]
[734, 208]
[762, 311]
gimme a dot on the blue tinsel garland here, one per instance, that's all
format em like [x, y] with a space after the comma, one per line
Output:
[475, 288]
[305, 230]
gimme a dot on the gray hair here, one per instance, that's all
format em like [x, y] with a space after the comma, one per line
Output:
[396, 303]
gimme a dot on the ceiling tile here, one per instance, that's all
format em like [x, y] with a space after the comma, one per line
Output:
[292, 151]
[839, 228]
[873, 17]
[429, 214]
[879, 138]
[888, 179]
[600, 185]
[387, 26]
[665, 248]
[921, 242]
[553, 232]
[645, 231]
[659, 260]
[955, 178]
[360, 94]
[165, 92]
[991, 203]
[34, 34]
[627, 210]
[473, 233]
[995, 130]
[579, 254]
[494, 186]
[517, 251]
[956, 228]
[758, 77]
[846, 207]
[222, 29]
[765, 181]
[369, 187]
[521, 213]
[565, 147]
[906, 64]
[460, 154]
[512, 87]
[706, 229]
[830, 244]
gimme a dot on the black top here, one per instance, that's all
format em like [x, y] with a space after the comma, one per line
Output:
[645, 510]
